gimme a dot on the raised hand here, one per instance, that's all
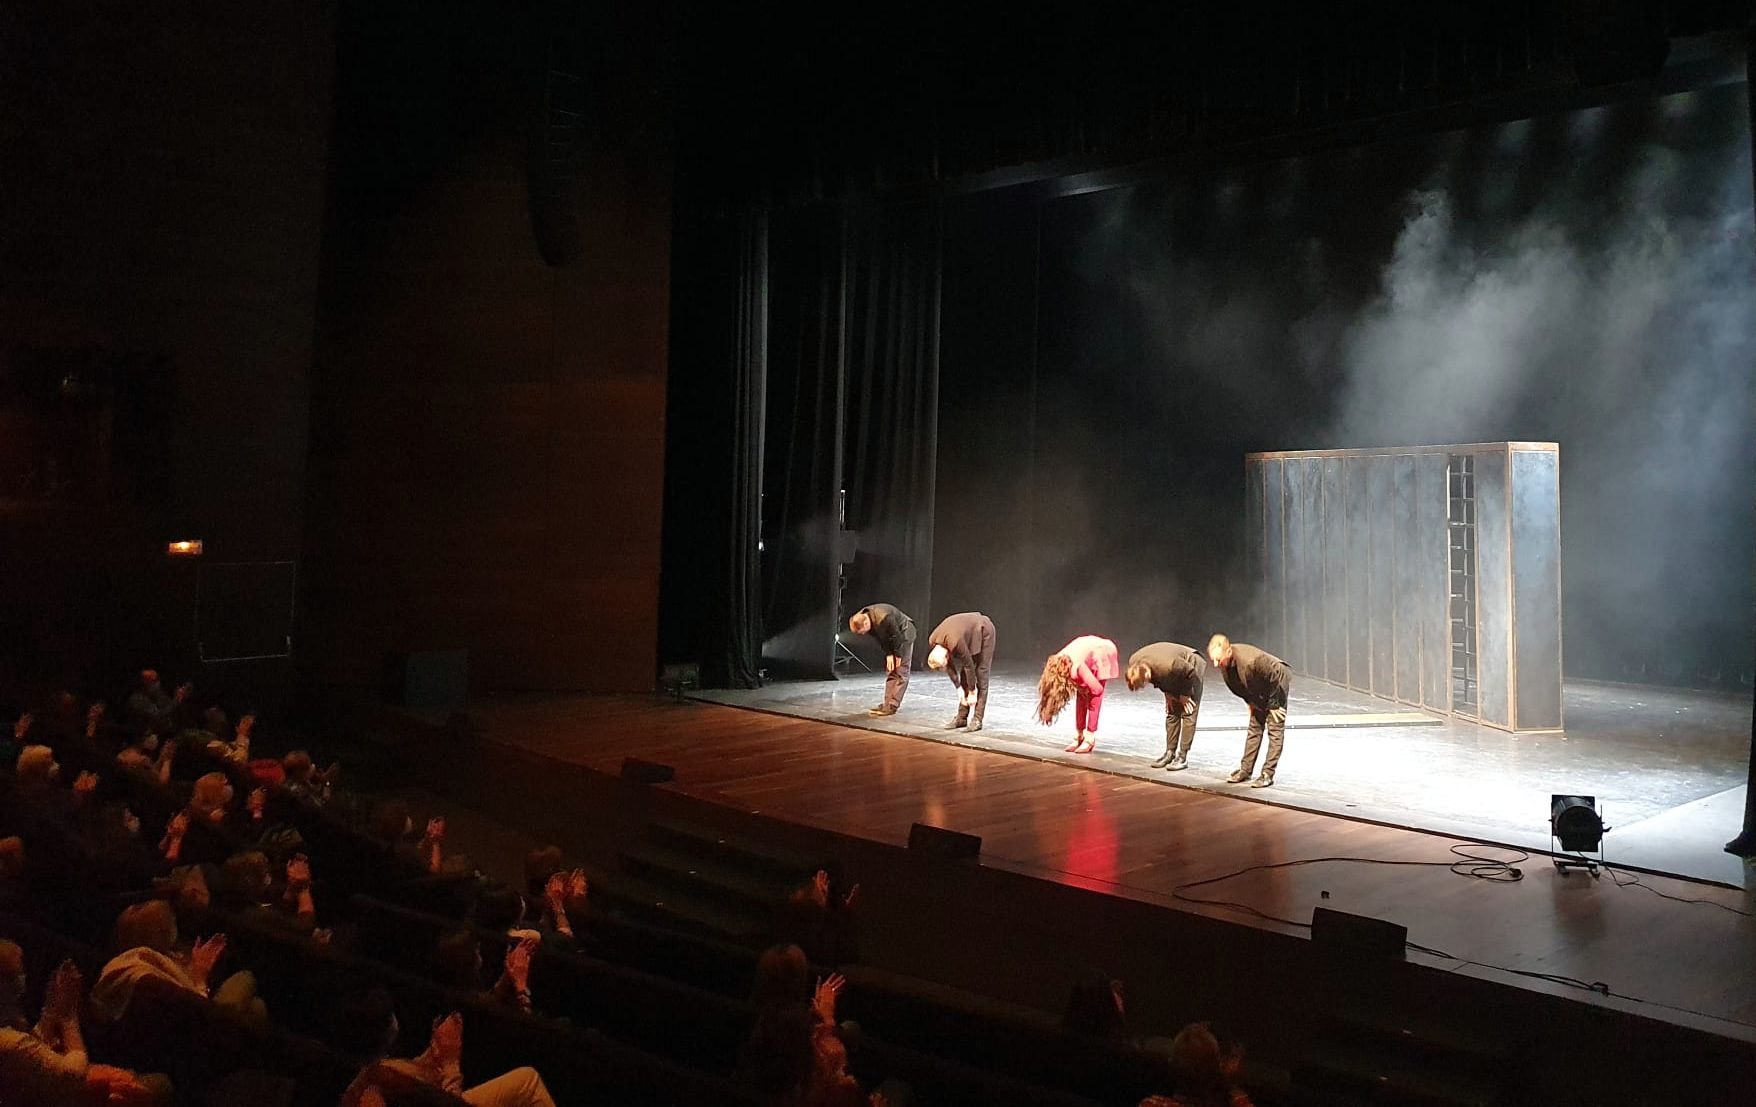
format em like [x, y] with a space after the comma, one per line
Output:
[577, 885]
[447, 1040]
[85, 784]
[93, 716]
[205, 956]
[172, 842]
[828, 990]
[61, 998]
[436, 829]
[820, 885]
[131, 823]
[853, 894]
[518, 963]
[298, 873]
[22, 727]
[182, 692]
[246, 724]
[258, 802]
[555, 893]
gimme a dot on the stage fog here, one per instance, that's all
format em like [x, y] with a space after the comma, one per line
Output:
[1108, 357]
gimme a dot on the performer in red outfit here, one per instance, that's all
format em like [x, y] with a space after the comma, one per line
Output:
[1077, 672]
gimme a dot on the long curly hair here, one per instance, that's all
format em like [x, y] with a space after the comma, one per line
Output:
[1055, 688]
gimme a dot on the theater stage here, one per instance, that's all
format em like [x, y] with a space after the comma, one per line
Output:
[1115, 833]
[1668, 766]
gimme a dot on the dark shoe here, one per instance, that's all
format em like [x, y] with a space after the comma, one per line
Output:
[881, 711]
[1266, 780]
[956, 724]
[1164, 759]
[1238, 777]
[1176, 763]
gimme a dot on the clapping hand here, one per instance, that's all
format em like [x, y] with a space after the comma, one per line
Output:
[446, 1044]
[204, 957]
[93, 716]
[823, 1002]
[518, 963]
[85, 784]
[174, 831]
[435, 829]
[22, 727]
[298, 873]
[258, 802]
[577, 885]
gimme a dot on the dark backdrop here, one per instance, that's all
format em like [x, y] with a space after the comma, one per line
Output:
[1584, 278]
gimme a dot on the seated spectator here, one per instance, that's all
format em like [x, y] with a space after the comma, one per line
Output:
[46, 1065]
[246, 884]
[779, 1057]
[369, 1029]
[1095, 1009]
[394, 826]
[15, 893]
[151, 708]
[457, 962]
[146, 938]
[62, 722]
[199, 834]
[300, 778]
[830, 1084]
[1204, 1074]
[821, 920]
[500, 909]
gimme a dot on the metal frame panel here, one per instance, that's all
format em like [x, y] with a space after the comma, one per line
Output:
[1381, 589]
[1493, 590]
[1431, 595]
[1357, 550]
[1536, 589]
[1352, 563]
[1410, 604]
[1274, 552]
[1335, 605]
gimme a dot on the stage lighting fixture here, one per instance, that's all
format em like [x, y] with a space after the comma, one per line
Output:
[188, 547]
[1575, 826]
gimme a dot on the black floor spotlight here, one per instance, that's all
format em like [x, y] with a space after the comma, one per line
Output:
[1576, 827]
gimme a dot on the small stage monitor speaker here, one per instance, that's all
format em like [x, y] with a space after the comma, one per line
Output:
[1356, 935]
[637, 771]
[938, 842]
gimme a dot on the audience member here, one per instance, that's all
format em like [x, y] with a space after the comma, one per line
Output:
[821, 921]
[1204, 1074]
[370, 1030]
[146, 941]
[1095, 1009]
[46, 1065]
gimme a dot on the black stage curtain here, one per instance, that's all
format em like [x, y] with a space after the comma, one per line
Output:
[710, 601]
[893, 277]
[801, 457]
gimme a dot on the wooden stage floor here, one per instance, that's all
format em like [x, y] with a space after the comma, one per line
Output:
[1691, 962]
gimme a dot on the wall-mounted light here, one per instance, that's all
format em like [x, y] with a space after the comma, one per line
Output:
[188, 547]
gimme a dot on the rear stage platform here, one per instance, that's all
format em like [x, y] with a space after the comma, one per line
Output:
[1667, 766]
[1128, 832]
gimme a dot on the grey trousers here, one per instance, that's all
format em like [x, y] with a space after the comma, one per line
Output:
[1274, 716]
[1180, 724]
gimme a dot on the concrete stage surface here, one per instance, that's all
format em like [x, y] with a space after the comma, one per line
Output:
[1668, 766]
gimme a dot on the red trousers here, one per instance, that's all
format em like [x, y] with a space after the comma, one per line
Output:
[1087, 706]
